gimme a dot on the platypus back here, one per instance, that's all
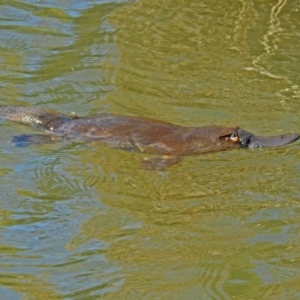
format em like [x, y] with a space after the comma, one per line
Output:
[127, 132]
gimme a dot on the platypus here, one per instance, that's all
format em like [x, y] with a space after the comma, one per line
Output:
[170, 141]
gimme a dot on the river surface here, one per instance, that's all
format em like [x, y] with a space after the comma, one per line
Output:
[83, 221]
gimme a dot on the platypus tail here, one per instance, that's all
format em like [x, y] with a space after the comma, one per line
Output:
[35, 117]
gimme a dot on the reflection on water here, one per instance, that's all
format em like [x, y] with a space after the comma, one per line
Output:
[87, 222]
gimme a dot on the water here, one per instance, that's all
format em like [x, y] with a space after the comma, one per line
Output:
[86, 221]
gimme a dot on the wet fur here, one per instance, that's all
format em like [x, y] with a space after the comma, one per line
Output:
[131, 133]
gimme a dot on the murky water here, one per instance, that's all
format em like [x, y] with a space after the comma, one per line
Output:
[86, 221]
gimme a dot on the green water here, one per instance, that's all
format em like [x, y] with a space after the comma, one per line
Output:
[86, 221]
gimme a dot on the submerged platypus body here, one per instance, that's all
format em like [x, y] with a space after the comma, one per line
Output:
[170, 141]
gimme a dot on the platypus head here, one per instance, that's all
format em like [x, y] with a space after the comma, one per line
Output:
[247, 139]
[216, 138]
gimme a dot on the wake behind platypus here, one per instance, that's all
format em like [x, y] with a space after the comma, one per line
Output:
[171, 142]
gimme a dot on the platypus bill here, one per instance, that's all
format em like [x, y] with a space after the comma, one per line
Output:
[172, 142]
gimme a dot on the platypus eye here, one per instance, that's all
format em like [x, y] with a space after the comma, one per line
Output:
[234, 137]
